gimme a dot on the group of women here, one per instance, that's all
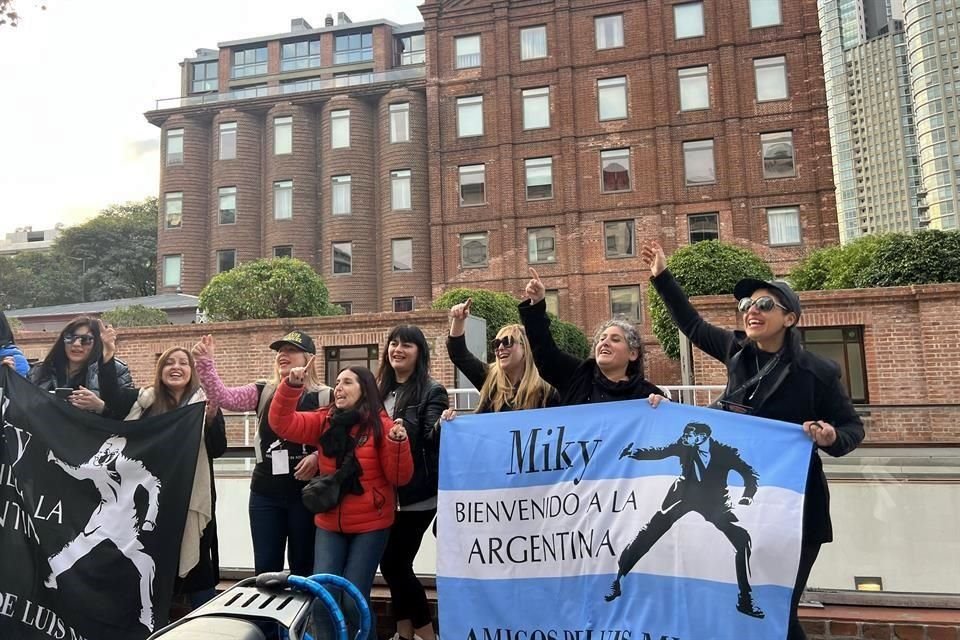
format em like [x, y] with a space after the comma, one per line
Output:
[378, 435]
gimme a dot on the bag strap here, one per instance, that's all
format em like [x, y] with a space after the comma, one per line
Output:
[757, 377]
[266, 394]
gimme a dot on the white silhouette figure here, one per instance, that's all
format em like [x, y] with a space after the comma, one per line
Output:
[115, 519]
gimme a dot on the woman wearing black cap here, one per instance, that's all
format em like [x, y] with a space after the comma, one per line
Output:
[770, 375]
[278, 518]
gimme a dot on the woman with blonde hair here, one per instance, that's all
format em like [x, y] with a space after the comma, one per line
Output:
[512, 382]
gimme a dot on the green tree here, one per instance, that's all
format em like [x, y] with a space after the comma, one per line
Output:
[841, 267]
[37, 279]
[274, 288]
[703, 268]
[135, 315]
[569, 337]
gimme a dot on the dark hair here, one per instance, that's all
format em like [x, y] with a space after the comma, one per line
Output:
[387, 377]
[699, 427]
[370, 405]
[55, 363]
[164, 400]
[6, 333]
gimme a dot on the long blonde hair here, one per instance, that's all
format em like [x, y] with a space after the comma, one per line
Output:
[497, 391]
[164, 400]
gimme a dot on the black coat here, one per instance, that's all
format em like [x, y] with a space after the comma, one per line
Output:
[578, 381]
[420, 418]
[811, 390]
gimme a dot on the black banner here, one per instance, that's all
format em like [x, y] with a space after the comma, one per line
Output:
[92, 511]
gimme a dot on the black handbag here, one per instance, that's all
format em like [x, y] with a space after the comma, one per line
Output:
[325, 491]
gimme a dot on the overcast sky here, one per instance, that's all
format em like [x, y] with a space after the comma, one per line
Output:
[76, 79]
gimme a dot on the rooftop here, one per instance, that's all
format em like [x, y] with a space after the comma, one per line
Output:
[166, 301]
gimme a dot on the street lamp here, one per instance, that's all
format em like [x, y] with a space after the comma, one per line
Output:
[83, 277]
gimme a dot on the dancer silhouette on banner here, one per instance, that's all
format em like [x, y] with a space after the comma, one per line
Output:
[701, 487]
[117, 478]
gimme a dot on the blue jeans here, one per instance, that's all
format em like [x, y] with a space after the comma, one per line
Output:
[355, 557]
[277, 522]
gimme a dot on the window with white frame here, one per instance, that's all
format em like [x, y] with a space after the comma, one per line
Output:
[784, 223]
[619, 239]
[282, 135]
[342, 257]
[688, 20]
[625, 302]
[473, 250]
[226, 260]
[472, 184]
[542, 245]
[205, 77]
[228, 205]
[228, 140]
[174, 146]
[533, 42]
[353, 47]
[171, 270]
[173, 209]
[467, 51]
[615, 170]
[400, 122]
[698, 164]
[612, 98]
[539, 178]
[342, 198]
[536, 108]
[771, 78]
[703, 226]
[402, 251]
[249, 62]
[764, 13]
[694, 88]
[295, 56]
[608, 31]
[340, 129]
[283, 200]
[778, 159]
[470, 116]
[400, 189]
[551, 298]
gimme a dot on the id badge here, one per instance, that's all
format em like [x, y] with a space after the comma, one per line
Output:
[735, 407]
[280, 460]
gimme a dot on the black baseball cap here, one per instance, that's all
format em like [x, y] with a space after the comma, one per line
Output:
[295, 338]
[789, 299]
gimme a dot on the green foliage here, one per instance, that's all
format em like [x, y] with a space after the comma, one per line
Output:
[569, 338]
[135, 315]
[703, 268]
[837, 267]
[275, 288]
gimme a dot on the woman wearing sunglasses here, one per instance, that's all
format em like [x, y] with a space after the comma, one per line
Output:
[770, 375]
[74, 362]
[512, 382]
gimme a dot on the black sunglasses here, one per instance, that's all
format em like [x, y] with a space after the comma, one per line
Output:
[85, 339]
[763, 303]
[506, 341]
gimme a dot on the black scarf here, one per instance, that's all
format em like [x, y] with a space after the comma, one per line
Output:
[336, 443]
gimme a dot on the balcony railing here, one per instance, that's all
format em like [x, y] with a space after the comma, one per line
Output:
[394, 75]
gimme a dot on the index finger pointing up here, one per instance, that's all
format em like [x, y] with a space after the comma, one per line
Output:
[533, 272]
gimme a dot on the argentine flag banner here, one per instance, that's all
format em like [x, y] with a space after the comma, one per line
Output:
[619, 521]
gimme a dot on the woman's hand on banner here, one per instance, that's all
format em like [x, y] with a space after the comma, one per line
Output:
[8, 362]
[655, 399]
[448, 415]
[86, 400]
[822, 433]
[307, 467]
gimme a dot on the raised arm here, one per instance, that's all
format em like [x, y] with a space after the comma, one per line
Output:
[471, 366]
[288, 423]
[554, 366]
[243, 398]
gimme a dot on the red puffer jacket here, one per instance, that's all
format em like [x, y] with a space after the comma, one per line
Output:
[384, 469]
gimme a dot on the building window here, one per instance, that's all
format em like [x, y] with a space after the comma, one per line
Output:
[778, 160]
[249, 62]
[771, 78]
[625, 302]
[342, 257]
[340, 129]
[619, 239]
[612, 98]
[694, 88]
[226, 260]
[352, 78]
[467, 51]
[615, 167]
[688, 20]
[764, 13]
[539, 178]
[542, 245]
[346, 308]
[205, 77]
[250, 91]
[299, 55]
[171, 270]
[284, 251]
[282, 135]
[173, 210]
[843, 345]
[473, 250]
[402, 250]
[703, 226]
[400, 189]
[533, 43]
[353, 47]
[698, 165]
[228, 205]
[411, 49]
[608, 31]
[342, 198]
[228, 140]
[552, 299]
[403, 305]
[472, 184]
[339, 358]
[470, 116]
[400, 122]
[283, 200]
[536, 108]
[784, 225]
[174, 146]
